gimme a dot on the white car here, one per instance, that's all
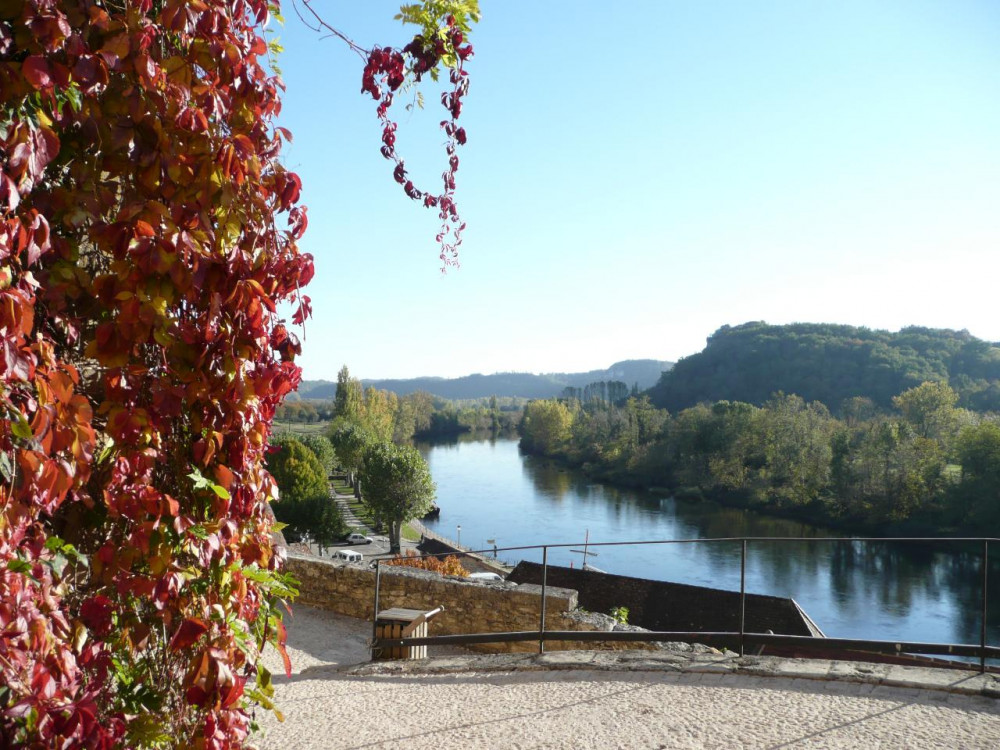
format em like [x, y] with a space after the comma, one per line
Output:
[348, 555]
[485, 576]
[358, 539]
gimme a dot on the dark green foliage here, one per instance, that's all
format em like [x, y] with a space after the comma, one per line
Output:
[305, 504]
[868, 470]
[979, 490]
[319, 517]
[322, 448]
[830, 364]
[396, 484]
[455, 418]
[295, 468]
[349, 441]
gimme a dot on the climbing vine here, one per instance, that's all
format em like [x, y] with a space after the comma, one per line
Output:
[148, 234]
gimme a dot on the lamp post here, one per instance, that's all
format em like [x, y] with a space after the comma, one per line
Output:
[494, 543]
[460, 535]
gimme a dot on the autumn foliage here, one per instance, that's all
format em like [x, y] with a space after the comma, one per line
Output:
[148, 233]
[448, 566]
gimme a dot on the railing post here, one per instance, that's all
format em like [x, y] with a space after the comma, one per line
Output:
[545, 576]
[378, 582]
[743, 595]
[982, 632]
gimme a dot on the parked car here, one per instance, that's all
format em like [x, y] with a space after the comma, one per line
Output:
[348, 555]
[486, 576]
[356, 538]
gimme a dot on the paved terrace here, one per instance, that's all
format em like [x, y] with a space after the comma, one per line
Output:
[586, 699]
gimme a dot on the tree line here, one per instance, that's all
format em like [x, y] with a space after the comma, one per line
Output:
[923, 463]
[415, 416]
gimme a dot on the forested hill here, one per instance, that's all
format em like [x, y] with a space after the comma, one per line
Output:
[644, 372]
[830, 363]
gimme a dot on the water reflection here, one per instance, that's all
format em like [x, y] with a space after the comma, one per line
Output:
[890, 590]
[551, 481]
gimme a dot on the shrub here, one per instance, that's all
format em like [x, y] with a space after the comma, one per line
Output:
[448, 566]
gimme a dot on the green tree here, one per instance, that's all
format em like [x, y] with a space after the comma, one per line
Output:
[349, 402]
[883, 471]
[857, 409]
[413, 415]
[797, 452]
[349, 441]
[978, 494]
[321, 446]
[304, 502]
[545, 427]
[930, 408]
[296, 470]
[397, 486]
[379, 415]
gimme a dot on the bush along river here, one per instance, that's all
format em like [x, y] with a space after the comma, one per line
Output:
[911, 591]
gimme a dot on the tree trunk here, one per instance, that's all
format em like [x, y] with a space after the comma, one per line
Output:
[395, 529]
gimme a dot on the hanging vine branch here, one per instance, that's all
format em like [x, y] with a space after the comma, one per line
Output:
[441, 44]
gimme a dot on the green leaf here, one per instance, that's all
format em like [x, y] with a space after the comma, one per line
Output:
[203, 483]
[19, 566]
[199, 480]
[105, 451]
[264, 680]
[21, 428]
[54, 544]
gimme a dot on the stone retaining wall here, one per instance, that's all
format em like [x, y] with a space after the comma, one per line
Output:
[469, 606]
[665, 606]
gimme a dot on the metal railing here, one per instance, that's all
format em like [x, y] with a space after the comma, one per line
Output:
[737, 639]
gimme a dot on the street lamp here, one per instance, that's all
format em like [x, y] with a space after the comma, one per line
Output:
[460, 535]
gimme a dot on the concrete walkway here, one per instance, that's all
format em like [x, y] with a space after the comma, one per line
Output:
[672, 699]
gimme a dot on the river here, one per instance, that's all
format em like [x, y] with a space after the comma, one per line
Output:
[886, 590]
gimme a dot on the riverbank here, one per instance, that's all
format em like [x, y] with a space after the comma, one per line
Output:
[820, 512]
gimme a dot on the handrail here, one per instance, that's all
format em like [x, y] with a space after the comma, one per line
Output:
[739, 639]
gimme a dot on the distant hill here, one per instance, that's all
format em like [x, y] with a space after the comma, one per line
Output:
[830, 363]
[644, 372]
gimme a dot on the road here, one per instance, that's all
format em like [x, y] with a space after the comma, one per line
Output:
[379, 546]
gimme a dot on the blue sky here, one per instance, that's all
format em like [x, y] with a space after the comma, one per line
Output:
[639, 174]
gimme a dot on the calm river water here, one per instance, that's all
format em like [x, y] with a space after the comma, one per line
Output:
[890, 591]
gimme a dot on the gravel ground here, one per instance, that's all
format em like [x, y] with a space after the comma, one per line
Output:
[327, 709]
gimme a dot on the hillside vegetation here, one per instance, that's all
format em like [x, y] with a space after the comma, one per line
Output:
[830, 364]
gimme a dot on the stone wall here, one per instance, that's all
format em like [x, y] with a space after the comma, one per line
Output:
[664, 606]
[469, 606]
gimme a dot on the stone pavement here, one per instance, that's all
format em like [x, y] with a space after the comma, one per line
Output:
[584, 699]
[680, 658]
